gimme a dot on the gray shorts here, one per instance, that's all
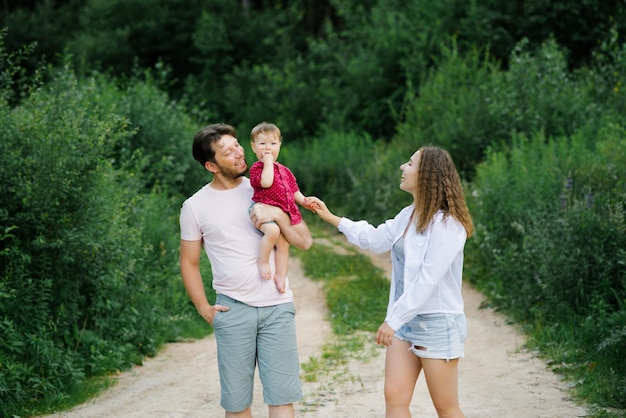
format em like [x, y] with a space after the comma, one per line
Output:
[436, 336]
[247, 336]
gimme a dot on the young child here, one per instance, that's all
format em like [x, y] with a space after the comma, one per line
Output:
[274, 184]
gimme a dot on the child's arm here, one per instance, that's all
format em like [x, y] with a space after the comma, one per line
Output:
[267, 175]
[300, 198]
[304, 201]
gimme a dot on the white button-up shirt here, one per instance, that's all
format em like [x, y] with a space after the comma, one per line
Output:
[433, 262]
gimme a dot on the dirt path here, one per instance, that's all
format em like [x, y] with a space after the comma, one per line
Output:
[498, 378]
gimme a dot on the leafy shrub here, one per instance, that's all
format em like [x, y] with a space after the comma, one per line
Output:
[450, 108]
[87, 256]
[550, 233]
[539, 93]
[70, 240]
[609, 75]
[15, 80]
[159, 131]
[467, 103]
[356, 176]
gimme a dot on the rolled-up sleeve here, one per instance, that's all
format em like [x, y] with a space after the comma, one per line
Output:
[378, 239]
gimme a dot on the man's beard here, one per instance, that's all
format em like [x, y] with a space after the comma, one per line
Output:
[232, 174]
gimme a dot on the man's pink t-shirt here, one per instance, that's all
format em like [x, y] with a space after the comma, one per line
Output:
[280, 193]
[231, 241]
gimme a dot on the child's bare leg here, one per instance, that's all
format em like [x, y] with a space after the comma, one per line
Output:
[281, 257]
[271, 234]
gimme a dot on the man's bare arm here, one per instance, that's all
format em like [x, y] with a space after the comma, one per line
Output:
[190, 252]
[298, 235]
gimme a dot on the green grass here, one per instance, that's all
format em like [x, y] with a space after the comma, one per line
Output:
[559, 346]
[356, 293]
[335, 353]
[78, 394]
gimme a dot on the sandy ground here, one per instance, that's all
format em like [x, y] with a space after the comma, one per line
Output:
[497, 376]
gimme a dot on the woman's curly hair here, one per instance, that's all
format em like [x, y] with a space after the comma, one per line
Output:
[439, 188]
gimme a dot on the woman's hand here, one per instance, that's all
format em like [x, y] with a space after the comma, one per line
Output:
[384, 335]
[311, 204]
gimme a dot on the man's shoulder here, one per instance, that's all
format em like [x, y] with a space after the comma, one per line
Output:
[245, 185]
[207, 190]
[203, 191]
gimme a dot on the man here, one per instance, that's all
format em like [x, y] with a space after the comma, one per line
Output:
[253, 322]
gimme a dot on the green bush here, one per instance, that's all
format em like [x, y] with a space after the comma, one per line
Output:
[540, 93]
[16, 81]
[548, 248]
[159, 131]
[30, 23]
[89, 281]
[451, 108]
[356, 176]
[609, 74]
[65, 203]
[467, 103]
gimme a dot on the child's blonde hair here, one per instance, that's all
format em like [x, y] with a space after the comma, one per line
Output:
[265, 128]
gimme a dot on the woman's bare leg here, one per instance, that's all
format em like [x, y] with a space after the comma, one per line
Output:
[442, 379]
[402, 368]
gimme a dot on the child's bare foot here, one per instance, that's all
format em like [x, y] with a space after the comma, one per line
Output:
[280, 283]
[265, 270]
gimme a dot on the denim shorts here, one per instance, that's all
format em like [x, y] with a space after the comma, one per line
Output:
[247, 336]
[436, 336]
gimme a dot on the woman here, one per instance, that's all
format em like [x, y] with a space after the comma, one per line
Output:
[425, 326]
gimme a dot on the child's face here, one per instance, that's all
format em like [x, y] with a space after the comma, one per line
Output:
[266, 143]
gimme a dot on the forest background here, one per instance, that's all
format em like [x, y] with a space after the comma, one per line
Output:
[99, 100]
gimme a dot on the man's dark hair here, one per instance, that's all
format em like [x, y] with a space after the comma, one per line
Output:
[203, 150]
